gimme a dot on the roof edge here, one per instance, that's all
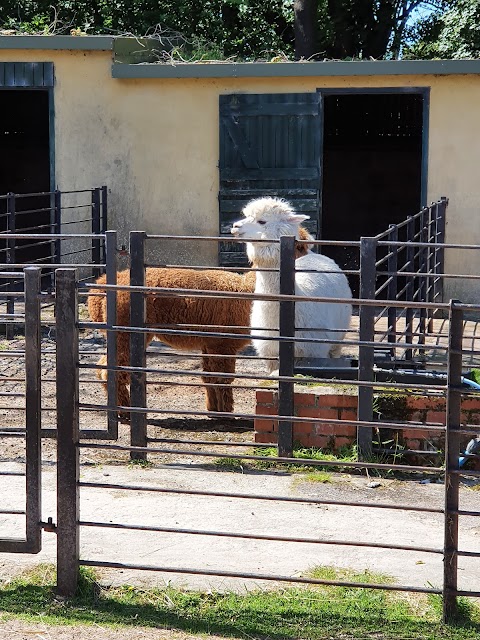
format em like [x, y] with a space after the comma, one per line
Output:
[78, 43]
[297, 69]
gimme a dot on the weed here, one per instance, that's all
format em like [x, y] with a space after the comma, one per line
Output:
[229, 464]
[143, 464]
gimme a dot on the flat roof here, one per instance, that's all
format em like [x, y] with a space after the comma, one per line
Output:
[52, 43]
[297, 69]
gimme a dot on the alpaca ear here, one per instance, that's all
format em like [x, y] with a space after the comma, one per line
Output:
[297, 217]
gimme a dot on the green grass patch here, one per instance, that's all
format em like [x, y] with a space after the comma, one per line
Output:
[143, 464]
[311, 613]
[229, 464]
[321, 477]
[346, 454]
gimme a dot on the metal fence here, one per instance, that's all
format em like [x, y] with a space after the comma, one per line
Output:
[50, 229]
[77, 399]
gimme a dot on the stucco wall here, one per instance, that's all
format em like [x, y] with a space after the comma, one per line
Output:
[155, 142]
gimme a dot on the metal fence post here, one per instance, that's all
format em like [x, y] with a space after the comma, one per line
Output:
[410, 286]
[104, 217]
[138, 395]
[96, 230]
[423, 277]
[32, 408]
[111, 268]
[57, 228]
[440, 261]
[10, 259]
[392, 289]
[452, 449]
[286, 349]
[368, 276]
[67, 432]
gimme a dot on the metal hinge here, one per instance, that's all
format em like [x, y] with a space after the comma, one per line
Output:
[49, 525]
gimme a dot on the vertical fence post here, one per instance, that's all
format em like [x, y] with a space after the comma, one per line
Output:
[138, 419]
[286, 349]
[10, 259]
[67, 432]
[452, 449]
[56, 226]
[422, 274]
[96, 243]
[410, 286]
[441, 222]
[368, 253]
[392, 289]
[104, 219]
[32, 407]
[111, 268]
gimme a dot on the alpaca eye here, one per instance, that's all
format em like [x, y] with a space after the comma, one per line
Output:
[262, 222]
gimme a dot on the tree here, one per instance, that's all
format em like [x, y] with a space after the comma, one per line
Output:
[454, 33]
[305, 28]
[254, 29]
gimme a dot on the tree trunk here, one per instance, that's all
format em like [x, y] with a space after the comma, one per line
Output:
[305, 27]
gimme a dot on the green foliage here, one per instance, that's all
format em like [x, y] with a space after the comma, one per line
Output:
[260, 29]
[454, 33]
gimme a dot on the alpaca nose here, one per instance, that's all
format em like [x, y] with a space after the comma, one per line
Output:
[235, 230]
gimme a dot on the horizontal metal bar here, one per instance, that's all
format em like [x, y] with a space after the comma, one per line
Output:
[256, 576]
[250, 536]
[206, 293]
[52, 236]
[12, 473]
[270, 498]
[279, 460]
[12, 512]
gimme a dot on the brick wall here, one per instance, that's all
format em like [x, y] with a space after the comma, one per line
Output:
[316, 402]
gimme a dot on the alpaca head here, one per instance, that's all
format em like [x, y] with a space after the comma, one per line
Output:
[267, 219]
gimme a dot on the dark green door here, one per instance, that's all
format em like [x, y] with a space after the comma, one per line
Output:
[270, 145]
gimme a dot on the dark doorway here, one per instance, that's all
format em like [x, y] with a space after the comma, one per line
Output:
[25, 166]
[372, 166]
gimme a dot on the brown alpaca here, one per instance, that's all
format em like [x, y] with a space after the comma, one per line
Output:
[200, 314]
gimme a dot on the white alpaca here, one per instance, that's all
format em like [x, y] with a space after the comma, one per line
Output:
[316, 276]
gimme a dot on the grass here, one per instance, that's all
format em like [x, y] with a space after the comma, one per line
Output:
[321, 477]
[229, 464]
[346, 454]
[309, 613]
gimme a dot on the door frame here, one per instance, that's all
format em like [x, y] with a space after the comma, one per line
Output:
[34, 76]
[423, 91]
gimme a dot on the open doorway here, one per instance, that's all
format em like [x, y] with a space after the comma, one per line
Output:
[373, 165]
[25, 166]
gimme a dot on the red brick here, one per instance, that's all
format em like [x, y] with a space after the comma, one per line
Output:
[267, 410]
[416, 434]
[319, 441]
[324, 428]
[348, 414]
[266, 438]
[436, 416]
[302, 428]
[348, 430]
[305, 399]
[267, 396]
[337, 400]
[347, 401]
[437, 404]
[342, 442]
[470, 404]
[317, 412]
[265, 425]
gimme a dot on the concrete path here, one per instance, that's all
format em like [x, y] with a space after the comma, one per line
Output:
[273, 518]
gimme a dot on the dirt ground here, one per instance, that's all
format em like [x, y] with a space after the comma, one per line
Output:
[19, 630]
